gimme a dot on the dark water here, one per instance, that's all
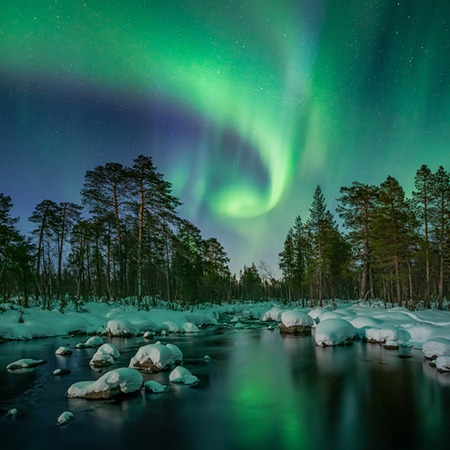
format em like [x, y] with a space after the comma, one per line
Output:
[260, 391]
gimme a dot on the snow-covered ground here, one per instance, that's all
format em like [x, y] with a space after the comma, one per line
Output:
[334, 325]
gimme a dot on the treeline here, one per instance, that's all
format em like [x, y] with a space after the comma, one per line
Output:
[127, 239]
[393, 247]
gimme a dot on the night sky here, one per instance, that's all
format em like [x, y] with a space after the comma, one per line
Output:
[244, 105]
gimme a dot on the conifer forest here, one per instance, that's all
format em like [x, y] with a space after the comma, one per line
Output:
[128, 240]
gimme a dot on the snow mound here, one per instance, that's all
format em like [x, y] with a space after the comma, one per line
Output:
[154, 386]
[365, 321]
[94, 341]
[443, 363]
[171, 326]
[381, 335]
[334, 332]
[329, 315]
[182, 375]
[121, 328]
[436, 347]
[176, 352]
[119, 381]
[153, 357]
[105, 356]
[190, 327]
[273, 314]
[295, 317]
[65, 418]
[63, 351]
[25, 363]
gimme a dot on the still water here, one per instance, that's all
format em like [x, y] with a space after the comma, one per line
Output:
[260, 390]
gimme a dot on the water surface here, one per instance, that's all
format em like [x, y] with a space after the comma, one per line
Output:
[260, 390]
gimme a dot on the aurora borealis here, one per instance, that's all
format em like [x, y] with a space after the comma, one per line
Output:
[245, 106]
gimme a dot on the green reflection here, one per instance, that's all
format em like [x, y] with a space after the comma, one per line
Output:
[265, 402]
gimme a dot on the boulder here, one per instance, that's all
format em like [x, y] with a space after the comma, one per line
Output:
[115, 382]
[153, 358]
[25, 363]
[296, 322]
[334, 332]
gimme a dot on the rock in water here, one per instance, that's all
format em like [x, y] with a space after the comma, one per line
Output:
[65, 418]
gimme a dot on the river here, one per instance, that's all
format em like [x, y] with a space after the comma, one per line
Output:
[260, 390]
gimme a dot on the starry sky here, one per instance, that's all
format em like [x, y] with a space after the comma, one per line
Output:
[245, 105]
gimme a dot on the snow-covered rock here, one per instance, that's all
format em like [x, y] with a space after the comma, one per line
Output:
[391, 344]
[176, 352]
[190, 327]
[118, 381]
[443, 363]
[65, 418]
[295, 321]
[171, 326]
[436, 347]
[154, 386]
[121, 328]
[12, 412]
[334, 332]
[153, 357]
[63, 351]
[25, 363]
[105, 356]
[382, 334]
[59, 372]
[94, 341]
[273, 314]
[182, 375]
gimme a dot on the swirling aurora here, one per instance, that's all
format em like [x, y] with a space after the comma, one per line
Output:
[244, 106]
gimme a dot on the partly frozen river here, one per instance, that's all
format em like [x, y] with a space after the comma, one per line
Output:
[260, 390]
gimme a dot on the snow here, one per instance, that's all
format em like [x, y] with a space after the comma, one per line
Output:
[154, 386]
[94, 341]
[295, 317]
[65, 418]
[105, 356]
[121, 327]
[443, 363]
[436, 347]
[123, 380]
[153, 356]
[190, 327]
[99, 318]
[334, 332]
[273, 314]
[63, 351]
[176, 352]
[182, 375]
[25, 363]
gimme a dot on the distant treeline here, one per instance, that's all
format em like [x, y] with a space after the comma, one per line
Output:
[128, 240]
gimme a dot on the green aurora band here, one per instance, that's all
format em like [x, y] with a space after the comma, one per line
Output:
[309, 88]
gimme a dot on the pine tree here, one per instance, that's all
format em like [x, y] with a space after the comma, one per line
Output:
[217, 275]
[105, 192]
[356, 208]
[440, 223]
[394, 225]
[188, 261]
[251, 283]
[423, 199]
[15, 255]
[154, 206]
